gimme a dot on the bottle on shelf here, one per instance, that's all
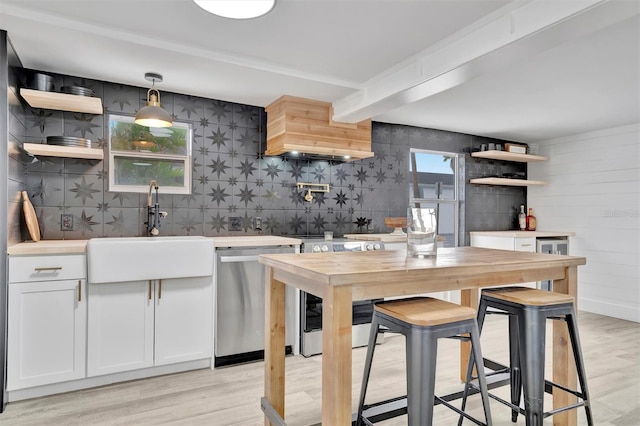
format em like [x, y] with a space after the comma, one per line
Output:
[522, 218]
[531, 221]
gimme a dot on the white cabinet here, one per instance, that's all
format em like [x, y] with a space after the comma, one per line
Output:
[183, 320]
[120, 327]
[527, 244]
[47, 319]
[140, 324]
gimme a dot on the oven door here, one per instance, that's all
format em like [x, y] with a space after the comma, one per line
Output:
[311, 324]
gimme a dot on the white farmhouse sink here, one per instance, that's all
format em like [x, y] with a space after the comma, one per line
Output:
[148, 258]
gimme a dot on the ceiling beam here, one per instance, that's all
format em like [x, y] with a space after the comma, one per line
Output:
[516, 32]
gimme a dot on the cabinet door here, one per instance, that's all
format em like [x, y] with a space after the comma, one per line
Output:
[120, 334]
[184, 319]
[46, 332]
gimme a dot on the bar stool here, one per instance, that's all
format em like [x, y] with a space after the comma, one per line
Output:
[423, 320]
[528, 310]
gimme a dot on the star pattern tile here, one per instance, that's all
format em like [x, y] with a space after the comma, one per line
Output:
[232, 177]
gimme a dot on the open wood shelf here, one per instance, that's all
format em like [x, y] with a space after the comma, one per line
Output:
[508, 156]
[62, 101]
[506, 182]
[63, 151]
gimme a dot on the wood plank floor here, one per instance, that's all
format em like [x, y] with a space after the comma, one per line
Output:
[230, 396]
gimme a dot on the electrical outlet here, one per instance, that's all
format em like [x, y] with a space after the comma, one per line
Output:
[257, 223]
[66, 222]
[235, 223]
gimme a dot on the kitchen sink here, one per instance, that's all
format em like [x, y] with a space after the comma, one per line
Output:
[148, 258]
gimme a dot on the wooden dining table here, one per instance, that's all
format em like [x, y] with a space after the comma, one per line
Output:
[341, 278]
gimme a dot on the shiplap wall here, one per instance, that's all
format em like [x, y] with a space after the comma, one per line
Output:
[594, 190]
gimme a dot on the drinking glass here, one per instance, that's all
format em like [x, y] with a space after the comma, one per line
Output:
[422, 225]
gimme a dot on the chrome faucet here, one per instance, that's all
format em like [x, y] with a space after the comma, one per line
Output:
[153, 211]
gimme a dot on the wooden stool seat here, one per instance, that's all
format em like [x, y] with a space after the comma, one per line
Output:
[528, 296]
[423, 311]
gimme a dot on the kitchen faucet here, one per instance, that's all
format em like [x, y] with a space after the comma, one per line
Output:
[153, 212]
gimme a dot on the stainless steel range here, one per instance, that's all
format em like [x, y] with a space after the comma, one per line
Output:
[311, 305]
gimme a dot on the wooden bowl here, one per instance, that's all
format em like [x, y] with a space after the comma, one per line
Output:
[395, 222]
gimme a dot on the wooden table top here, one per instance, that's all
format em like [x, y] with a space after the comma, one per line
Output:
[459, 264]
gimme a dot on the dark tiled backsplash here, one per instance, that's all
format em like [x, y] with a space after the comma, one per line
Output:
[231, 177]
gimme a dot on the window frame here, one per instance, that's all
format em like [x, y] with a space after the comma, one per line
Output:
[186, 159]
[455, 201]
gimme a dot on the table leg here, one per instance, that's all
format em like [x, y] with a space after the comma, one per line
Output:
[471, 298]
[274, 348]
[336, 356]
[564, 371]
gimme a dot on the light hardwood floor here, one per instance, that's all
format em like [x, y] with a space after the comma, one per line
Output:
[230, 396]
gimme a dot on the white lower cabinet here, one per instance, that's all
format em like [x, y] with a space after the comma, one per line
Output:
[184, 320]
[120, 333]
[140, 324]
[47, 319]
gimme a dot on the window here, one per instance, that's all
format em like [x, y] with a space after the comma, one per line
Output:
[139, 154]
[434, 183]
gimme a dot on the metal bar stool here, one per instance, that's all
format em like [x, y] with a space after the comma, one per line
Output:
[423, 320]
[528, 310]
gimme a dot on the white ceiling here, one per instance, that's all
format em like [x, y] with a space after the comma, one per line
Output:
[519, 70]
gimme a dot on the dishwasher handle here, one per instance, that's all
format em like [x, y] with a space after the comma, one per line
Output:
[231, 259]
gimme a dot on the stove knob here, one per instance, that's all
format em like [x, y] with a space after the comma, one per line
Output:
[325, 248]
[369, 247]
[376, 246]
[316, 249]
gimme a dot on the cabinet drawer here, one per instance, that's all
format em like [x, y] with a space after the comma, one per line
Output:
[47, 268]
[525, 244]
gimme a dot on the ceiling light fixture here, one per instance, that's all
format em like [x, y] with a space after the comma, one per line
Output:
[237, 9]
[153, 115]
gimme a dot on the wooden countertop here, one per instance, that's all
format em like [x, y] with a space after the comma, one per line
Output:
[30, 248]
[255, 241]
[521, 234]
[386, 238]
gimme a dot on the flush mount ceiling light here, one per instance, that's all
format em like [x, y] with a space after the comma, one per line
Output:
[153, 115]
[237, 9]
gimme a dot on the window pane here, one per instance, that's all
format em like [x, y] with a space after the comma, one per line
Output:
[139, 171]
[128, 136]
[433, 177]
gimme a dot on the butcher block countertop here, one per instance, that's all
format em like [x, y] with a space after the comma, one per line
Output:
[522, 234]
[255, 241]
[385, 238]
[30, 248]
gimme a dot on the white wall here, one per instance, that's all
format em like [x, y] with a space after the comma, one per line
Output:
[594, 190]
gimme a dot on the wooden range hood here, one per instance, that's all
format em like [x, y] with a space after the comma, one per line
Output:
[305, 126]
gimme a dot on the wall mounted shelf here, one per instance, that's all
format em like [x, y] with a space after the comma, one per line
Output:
[62, 101]
[39, 149]
[508, 156]
[506, 182]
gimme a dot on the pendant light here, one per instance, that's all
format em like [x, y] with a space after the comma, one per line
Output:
[153, 115]
[236, 9]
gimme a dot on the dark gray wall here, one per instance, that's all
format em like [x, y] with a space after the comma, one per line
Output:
[13, 174]
[231, 178]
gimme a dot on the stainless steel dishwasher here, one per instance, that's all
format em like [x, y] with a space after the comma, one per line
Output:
[240, 300]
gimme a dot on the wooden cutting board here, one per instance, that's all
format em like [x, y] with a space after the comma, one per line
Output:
[30, 217]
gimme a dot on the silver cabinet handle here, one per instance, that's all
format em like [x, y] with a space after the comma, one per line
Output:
[150, 288]
[228, 259]
[50, 268]
[160, 290]
[79, 290]
[525, 245]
